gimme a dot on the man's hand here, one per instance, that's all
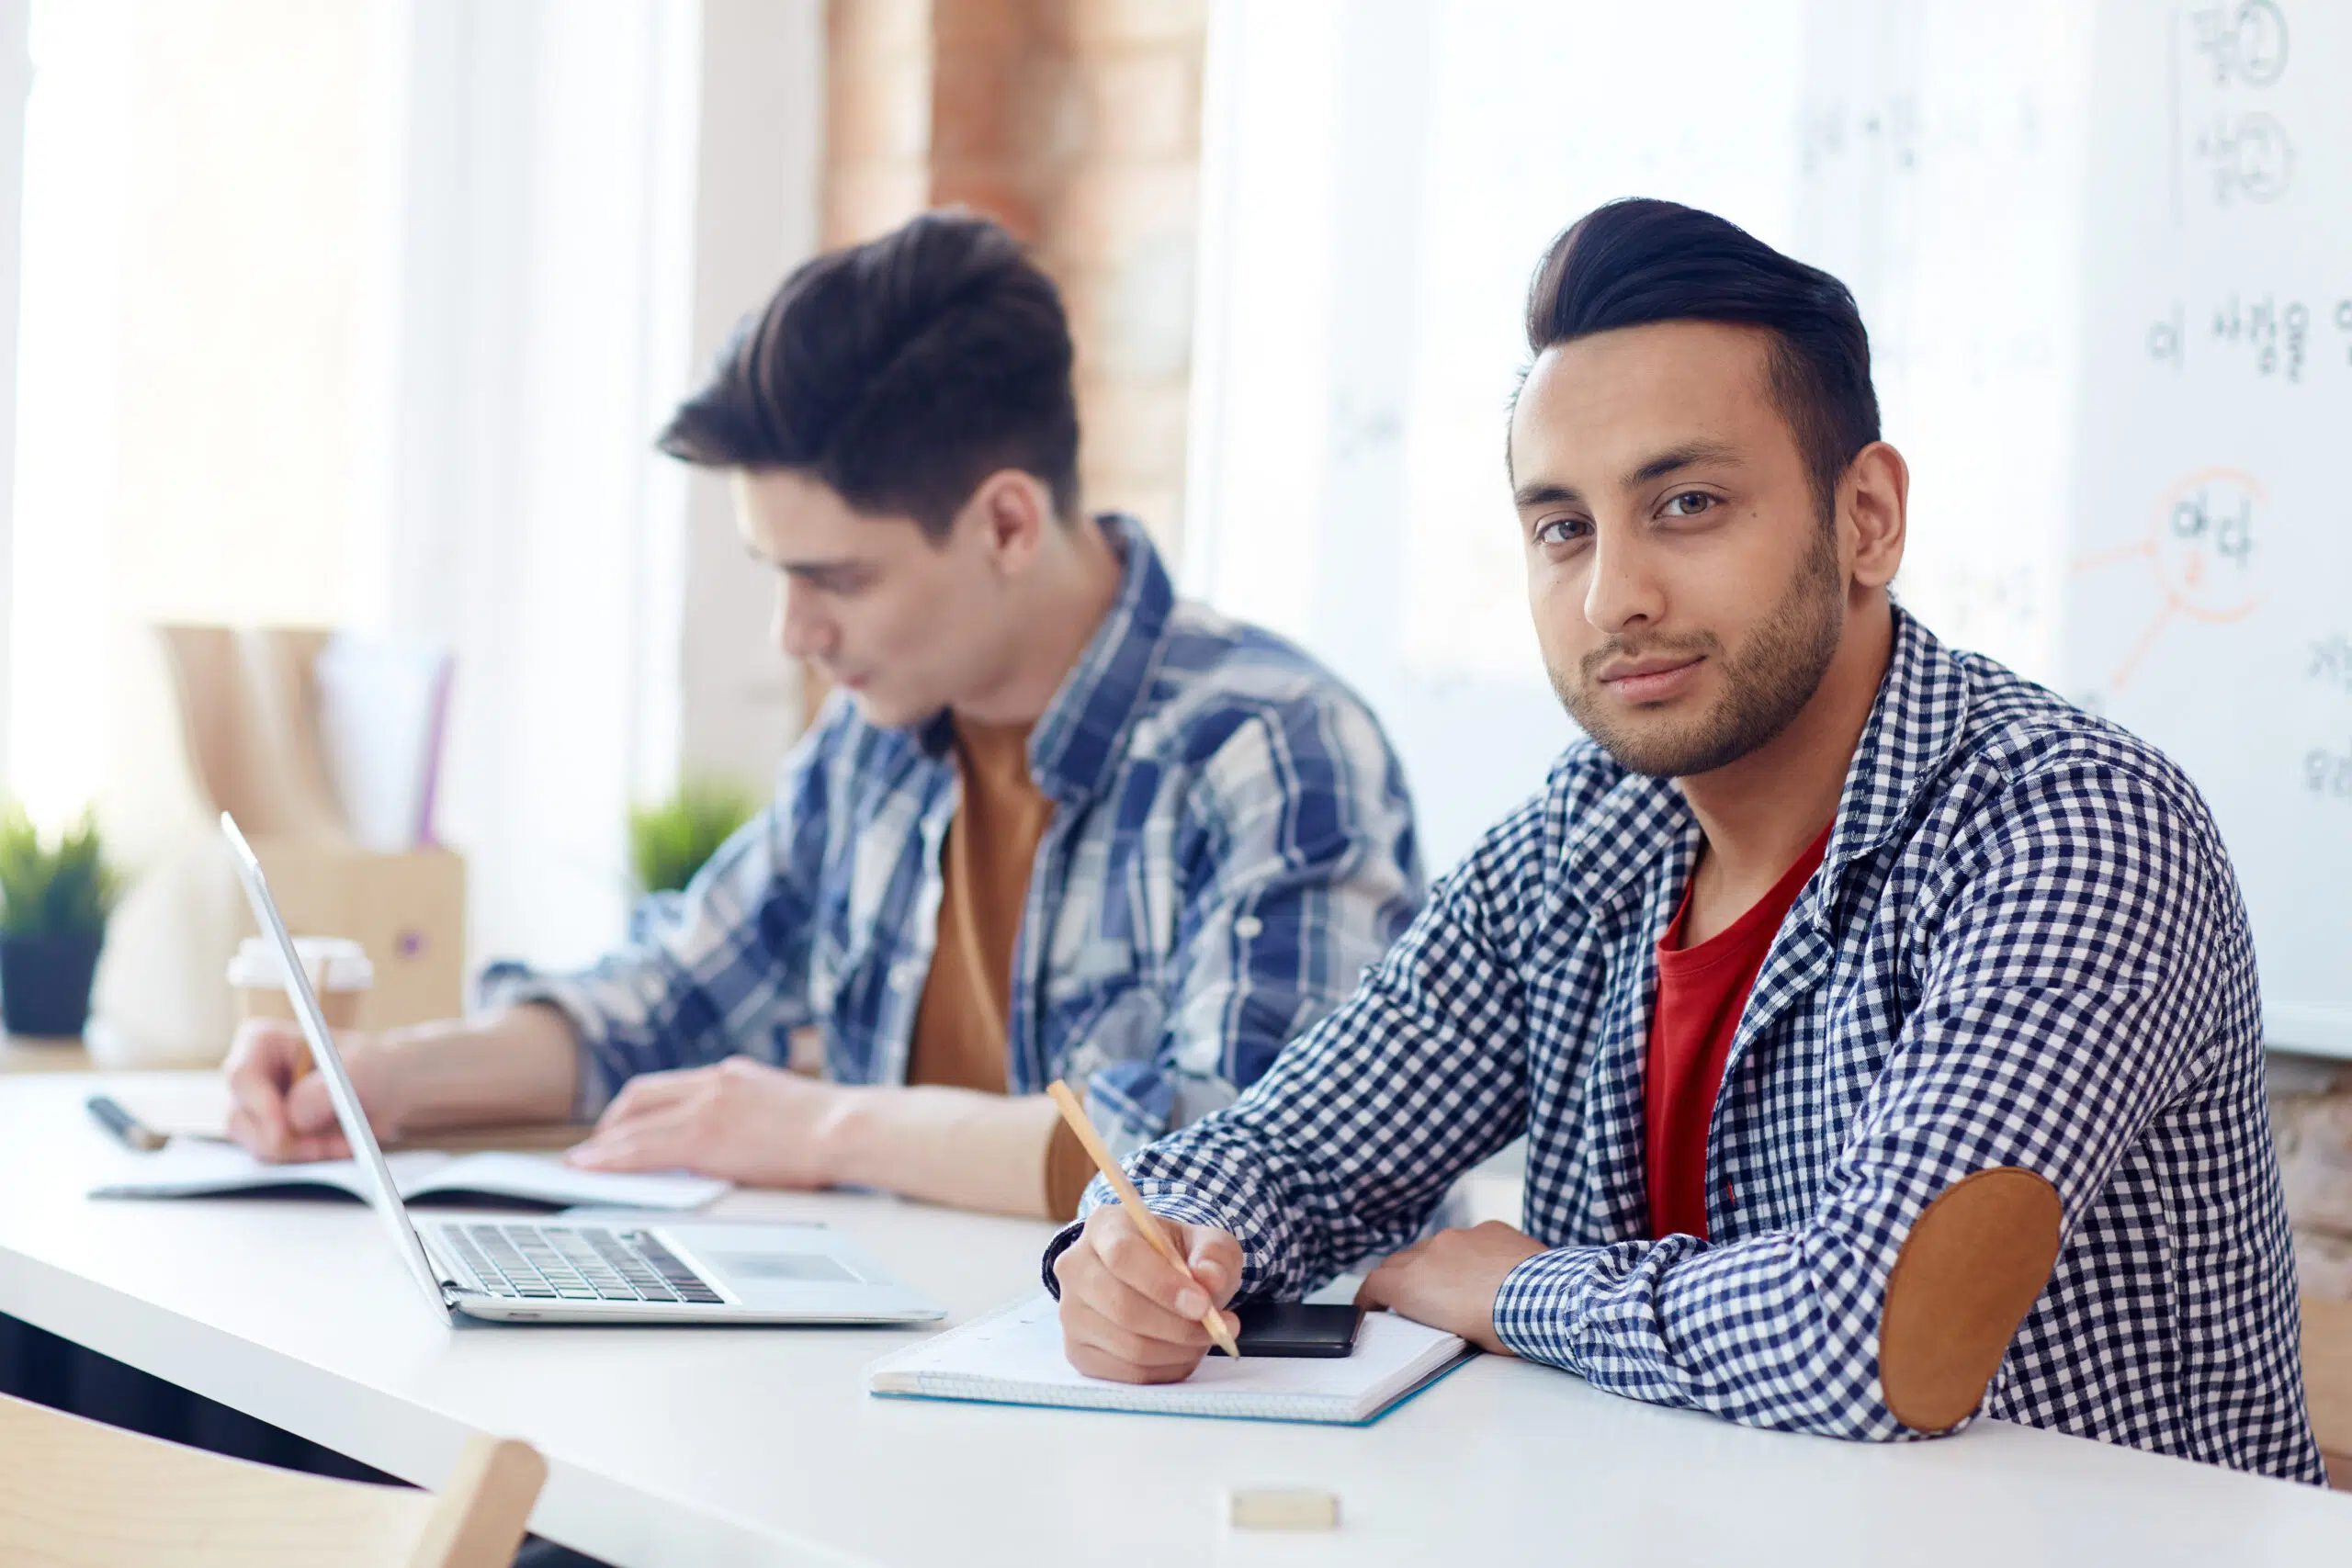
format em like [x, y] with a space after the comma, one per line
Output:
[1128, 1313]
[280, 1118]
[1449, 1282]
[741, 1121]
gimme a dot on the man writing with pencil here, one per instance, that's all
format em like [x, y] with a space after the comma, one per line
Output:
[1883, 1030]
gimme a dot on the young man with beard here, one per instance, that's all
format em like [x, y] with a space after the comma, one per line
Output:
[1841, 984]
[1053, 821]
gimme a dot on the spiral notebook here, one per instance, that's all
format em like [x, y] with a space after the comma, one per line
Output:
[1014, 1356]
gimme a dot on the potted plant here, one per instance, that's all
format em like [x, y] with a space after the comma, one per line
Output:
[670, 842]
[54, 900]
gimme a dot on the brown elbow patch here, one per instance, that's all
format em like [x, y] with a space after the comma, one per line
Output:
[1967, 1275]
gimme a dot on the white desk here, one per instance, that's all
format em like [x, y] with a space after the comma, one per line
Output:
[715, 1447]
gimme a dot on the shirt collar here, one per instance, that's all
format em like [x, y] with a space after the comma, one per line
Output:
[1075, 746]
[1915, 726]
[1611, 846]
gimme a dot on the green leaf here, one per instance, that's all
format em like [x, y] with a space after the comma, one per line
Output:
[670, 842]
[59, 887]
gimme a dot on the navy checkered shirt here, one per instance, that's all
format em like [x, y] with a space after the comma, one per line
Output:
[2024, 947]
[1231, 847]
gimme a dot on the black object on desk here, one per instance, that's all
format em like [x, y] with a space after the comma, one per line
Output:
[134, 1132]
[1296, 1328]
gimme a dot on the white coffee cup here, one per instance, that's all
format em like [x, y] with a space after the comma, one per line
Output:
[339, 969]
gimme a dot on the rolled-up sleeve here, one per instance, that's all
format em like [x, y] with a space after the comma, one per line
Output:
[725, 970]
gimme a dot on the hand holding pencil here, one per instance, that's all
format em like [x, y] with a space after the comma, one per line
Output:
[1141, 1291]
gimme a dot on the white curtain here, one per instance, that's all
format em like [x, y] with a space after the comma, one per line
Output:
[544, 209]
[593, 193]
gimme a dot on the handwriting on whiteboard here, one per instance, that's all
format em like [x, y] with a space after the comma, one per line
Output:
[2247, 44]
[2245, 157]
[2253, 331]
[2199, 549]
[2326, 773]
[2329, 772]
[2330, 663]
[2228, 144]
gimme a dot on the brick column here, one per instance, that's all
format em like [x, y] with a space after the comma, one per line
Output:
[877, 117]
[1120, 224]
[1077, 124]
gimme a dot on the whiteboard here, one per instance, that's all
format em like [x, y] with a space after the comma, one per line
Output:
[2208, 602]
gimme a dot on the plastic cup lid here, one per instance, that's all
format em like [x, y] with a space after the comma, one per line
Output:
[345, 961]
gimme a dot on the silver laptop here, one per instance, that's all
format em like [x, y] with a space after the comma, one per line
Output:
[592, 1268]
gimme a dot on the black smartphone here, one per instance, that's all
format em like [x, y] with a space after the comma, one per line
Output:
[1296, 1329]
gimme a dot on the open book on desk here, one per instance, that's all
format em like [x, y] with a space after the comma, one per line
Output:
[195, 1106]
[1014, 1357]
[188, 1168]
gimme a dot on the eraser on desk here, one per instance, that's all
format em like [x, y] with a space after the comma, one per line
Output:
[1283, 1508]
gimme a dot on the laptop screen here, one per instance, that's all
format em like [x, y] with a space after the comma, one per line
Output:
[366, 1153]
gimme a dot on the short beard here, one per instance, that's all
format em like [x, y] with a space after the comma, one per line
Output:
[1765, 686]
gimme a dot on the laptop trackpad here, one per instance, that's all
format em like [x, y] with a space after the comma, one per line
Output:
[780, 1268]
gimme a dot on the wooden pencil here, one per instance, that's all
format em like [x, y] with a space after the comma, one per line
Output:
[1075, 1114]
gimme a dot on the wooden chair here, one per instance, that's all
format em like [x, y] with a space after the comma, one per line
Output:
[78, 1494]
[2327, 1381]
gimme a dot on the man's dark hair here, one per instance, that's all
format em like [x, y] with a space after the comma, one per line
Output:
[900, 373]
[1635, 262]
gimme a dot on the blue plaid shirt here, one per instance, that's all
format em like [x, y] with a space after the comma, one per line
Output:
[1231, 846]
[2024, 947]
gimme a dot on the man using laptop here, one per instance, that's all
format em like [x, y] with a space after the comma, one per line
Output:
[1053, 822]
[1841, 984]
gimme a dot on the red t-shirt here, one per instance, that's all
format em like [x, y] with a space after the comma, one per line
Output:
[1701, 991]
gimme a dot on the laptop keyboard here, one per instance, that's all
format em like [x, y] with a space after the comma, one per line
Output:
[575, 1263]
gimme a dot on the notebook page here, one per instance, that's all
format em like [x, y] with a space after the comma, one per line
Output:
[190, 1169]
[1015, 1356]
[548, 1179]
[185, 1169]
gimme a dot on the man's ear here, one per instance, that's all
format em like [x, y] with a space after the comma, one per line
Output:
[1872, 500]
[1013, 510]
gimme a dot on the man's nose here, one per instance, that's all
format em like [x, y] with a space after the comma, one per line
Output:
[801, 630]
[1623, 593]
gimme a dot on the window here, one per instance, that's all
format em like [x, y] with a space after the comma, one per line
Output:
[194, 382]
[365, 314]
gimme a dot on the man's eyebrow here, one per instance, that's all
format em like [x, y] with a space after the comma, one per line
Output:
[804, 570]
[815, 570]
[1540, 493]
[1689, 455]
[1675, 458]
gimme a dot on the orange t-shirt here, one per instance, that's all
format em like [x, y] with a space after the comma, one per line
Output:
[959, 1033]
